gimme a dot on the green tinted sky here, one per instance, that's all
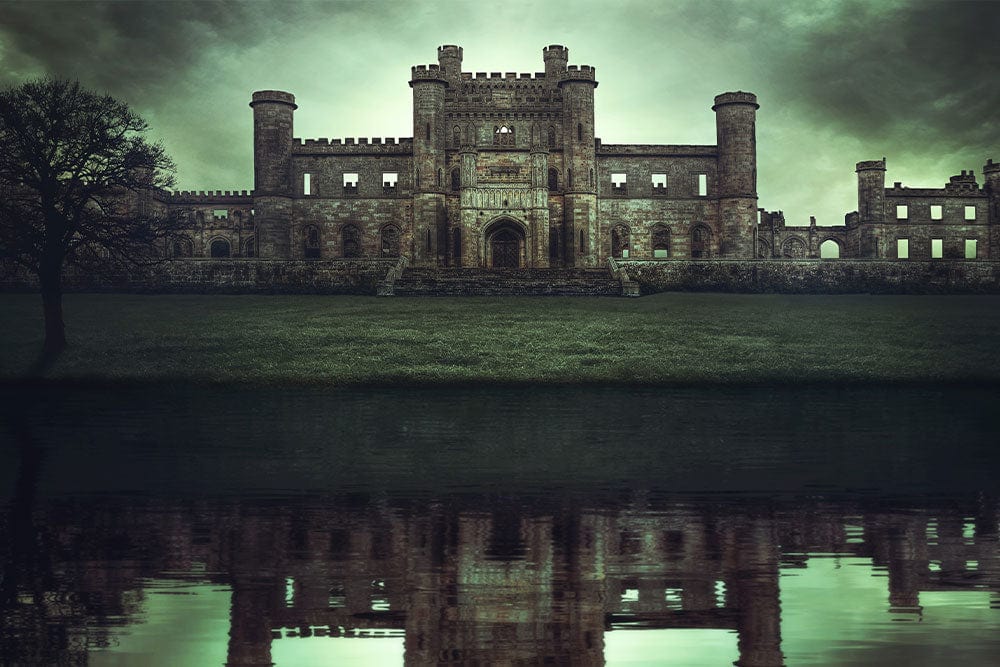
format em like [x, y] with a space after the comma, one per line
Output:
[838, 81]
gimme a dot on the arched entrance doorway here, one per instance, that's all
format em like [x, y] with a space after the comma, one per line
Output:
[504, 245]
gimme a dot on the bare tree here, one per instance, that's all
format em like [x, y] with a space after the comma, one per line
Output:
[76, 185]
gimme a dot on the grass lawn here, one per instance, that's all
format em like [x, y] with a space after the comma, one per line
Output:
[666, 338]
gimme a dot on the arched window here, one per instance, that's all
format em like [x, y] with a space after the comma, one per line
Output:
[250, 247]
[701, 242]
[569, 178]
[591, 177]
[310, 242]
[456, 179]
[553, 180]
[583, 242]
[182, 247]
[456, 136]
[763, 249]
[390, 241]
[579, 131]
[350, 239]
[503, 135]
[660, 242]
[794, 248]
[219, 248]
[199, 217]
[552, 137]
[620, 242]
[829, 249]
[427, 131]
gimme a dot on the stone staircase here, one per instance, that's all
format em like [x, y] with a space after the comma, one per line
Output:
[506, 282]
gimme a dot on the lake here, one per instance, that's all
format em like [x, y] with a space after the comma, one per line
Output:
[183, 525]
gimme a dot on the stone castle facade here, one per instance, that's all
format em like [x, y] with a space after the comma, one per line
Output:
[505, 171]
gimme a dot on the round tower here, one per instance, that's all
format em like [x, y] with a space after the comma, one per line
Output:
[736, 136]
[272, 141]
[429, 136]
[579, 164]
[450, 62]
[991, 184]
[272, 168]
[555, 56]
[871, 191]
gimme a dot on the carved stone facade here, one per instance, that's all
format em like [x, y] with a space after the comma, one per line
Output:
[504, 170]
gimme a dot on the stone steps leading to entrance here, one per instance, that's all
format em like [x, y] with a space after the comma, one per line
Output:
[506, 282]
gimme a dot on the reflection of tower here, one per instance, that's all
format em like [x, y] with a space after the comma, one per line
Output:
[757, 597]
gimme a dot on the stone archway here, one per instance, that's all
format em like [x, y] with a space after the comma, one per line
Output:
[505, 245]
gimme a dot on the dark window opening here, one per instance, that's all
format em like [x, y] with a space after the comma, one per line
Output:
[552, 137]
[311, 244]
[390, 241]
[220, 248]
[351, 241]
[456, 246]
[583, 242]
[701, 239]
[579, 131]
[661, 242]
[620, 237]
[553, 180]
[250, 247]
[456, 179]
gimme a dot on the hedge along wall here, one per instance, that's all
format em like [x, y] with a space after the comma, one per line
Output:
[839, 276]
[227, 276]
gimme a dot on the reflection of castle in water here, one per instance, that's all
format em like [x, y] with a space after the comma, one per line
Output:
[466, 587]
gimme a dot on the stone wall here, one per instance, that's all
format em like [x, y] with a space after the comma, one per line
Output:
[226, 276]
[815, 276]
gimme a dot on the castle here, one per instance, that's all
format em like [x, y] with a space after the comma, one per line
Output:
[504, 171]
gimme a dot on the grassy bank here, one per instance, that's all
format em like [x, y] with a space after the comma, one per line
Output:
[667, 338]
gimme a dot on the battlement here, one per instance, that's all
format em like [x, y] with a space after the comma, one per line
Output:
[427, 73]
[555, 52]
[655, 150]
[273, 97]
[870, 165]
[579, 73]
[450, 51]
[354, 146]
[962, 183]
[484, 77]
[210, 196]
[991, 167]
[737, 97]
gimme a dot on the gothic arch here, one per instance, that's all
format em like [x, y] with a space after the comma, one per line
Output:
[794, 247]
[311, 242]
[659, 241]
[250, 247]
[701, 241]
[836, 250]
[350, 241]
[505, 243]
[182, 247]
[389, 240]
[621, 237]
[220, 247]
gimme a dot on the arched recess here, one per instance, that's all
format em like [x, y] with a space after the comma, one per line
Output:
[505, 244]
[389, 237]
[350, 241]
[553, 179]
[701, 242]
[456, 179]
[250, 247]
[182, 247]
[763, 249]
[830, 249]
[220, 247]
[311, 242]
[794, 248]
[660, 241]
[621, 237]
[552, 137]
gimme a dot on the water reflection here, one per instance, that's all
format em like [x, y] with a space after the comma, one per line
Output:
[272, 547]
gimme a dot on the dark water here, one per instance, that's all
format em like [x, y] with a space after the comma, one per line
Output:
[799, 526]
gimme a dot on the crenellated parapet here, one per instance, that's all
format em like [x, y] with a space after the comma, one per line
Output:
[428, 73]
[221, 197]
[353, 146]
[655, 150]
[584, 73]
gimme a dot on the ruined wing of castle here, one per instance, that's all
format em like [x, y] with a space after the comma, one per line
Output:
[505, 171]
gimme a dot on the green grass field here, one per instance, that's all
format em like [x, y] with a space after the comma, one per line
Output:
[662, 339]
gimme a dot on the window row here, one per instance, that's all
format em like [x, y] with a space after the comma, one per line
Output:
[937, 212]
[390, 181]
[350, 241]
[937, 248]
[218, 247]
[658, 184]
[699, 246]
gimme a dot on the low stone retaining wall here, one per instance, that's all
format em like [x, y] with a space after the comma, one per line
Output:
[839, 276]
[227, 276]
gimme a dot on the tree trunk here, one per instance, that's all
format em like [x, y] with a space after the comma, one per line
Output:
[50, 278]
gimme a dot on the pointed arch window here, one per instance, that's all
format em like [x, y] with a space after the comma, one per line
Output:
[552, 137]
[220, 248]
[553, 179]
[183, 247]
[250, 247]
[351, 241]
[661, 242]
[701, 240]
[620, 237]
[503, 135]
[456, 179]
[456, 136]
[310, 242]
[390, 241]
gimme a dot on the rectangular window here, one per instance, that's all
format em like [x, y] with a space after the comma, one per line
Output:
[350, 184]
[902, 212]
[307, 184]
[389, 180]
[659, 184]
[971, 249]
[937, 248]
[220, 213]
[660, 253]
[902, 248]
[618, 184]
[937, 212]
[970, 212]
[702, 185]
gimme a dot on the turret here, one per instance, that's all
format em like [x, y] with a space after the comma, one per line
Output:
[991, 184]
[450, 62]
[579, 164]
[555, 57]
[871, 191]
[272, 142]
[736, 135]
[429, 136]
[272, 168]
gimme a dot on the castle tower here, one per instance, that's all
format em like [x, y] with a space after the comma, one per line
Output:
[579, 160]
[272, 169]
[450, 63]
[429, 213]
[556, 57]
[871, 205]
[991, 184]
[735, 127]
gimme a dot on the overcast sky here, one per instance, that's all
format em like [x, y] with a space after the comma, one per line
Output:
[838, 81]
